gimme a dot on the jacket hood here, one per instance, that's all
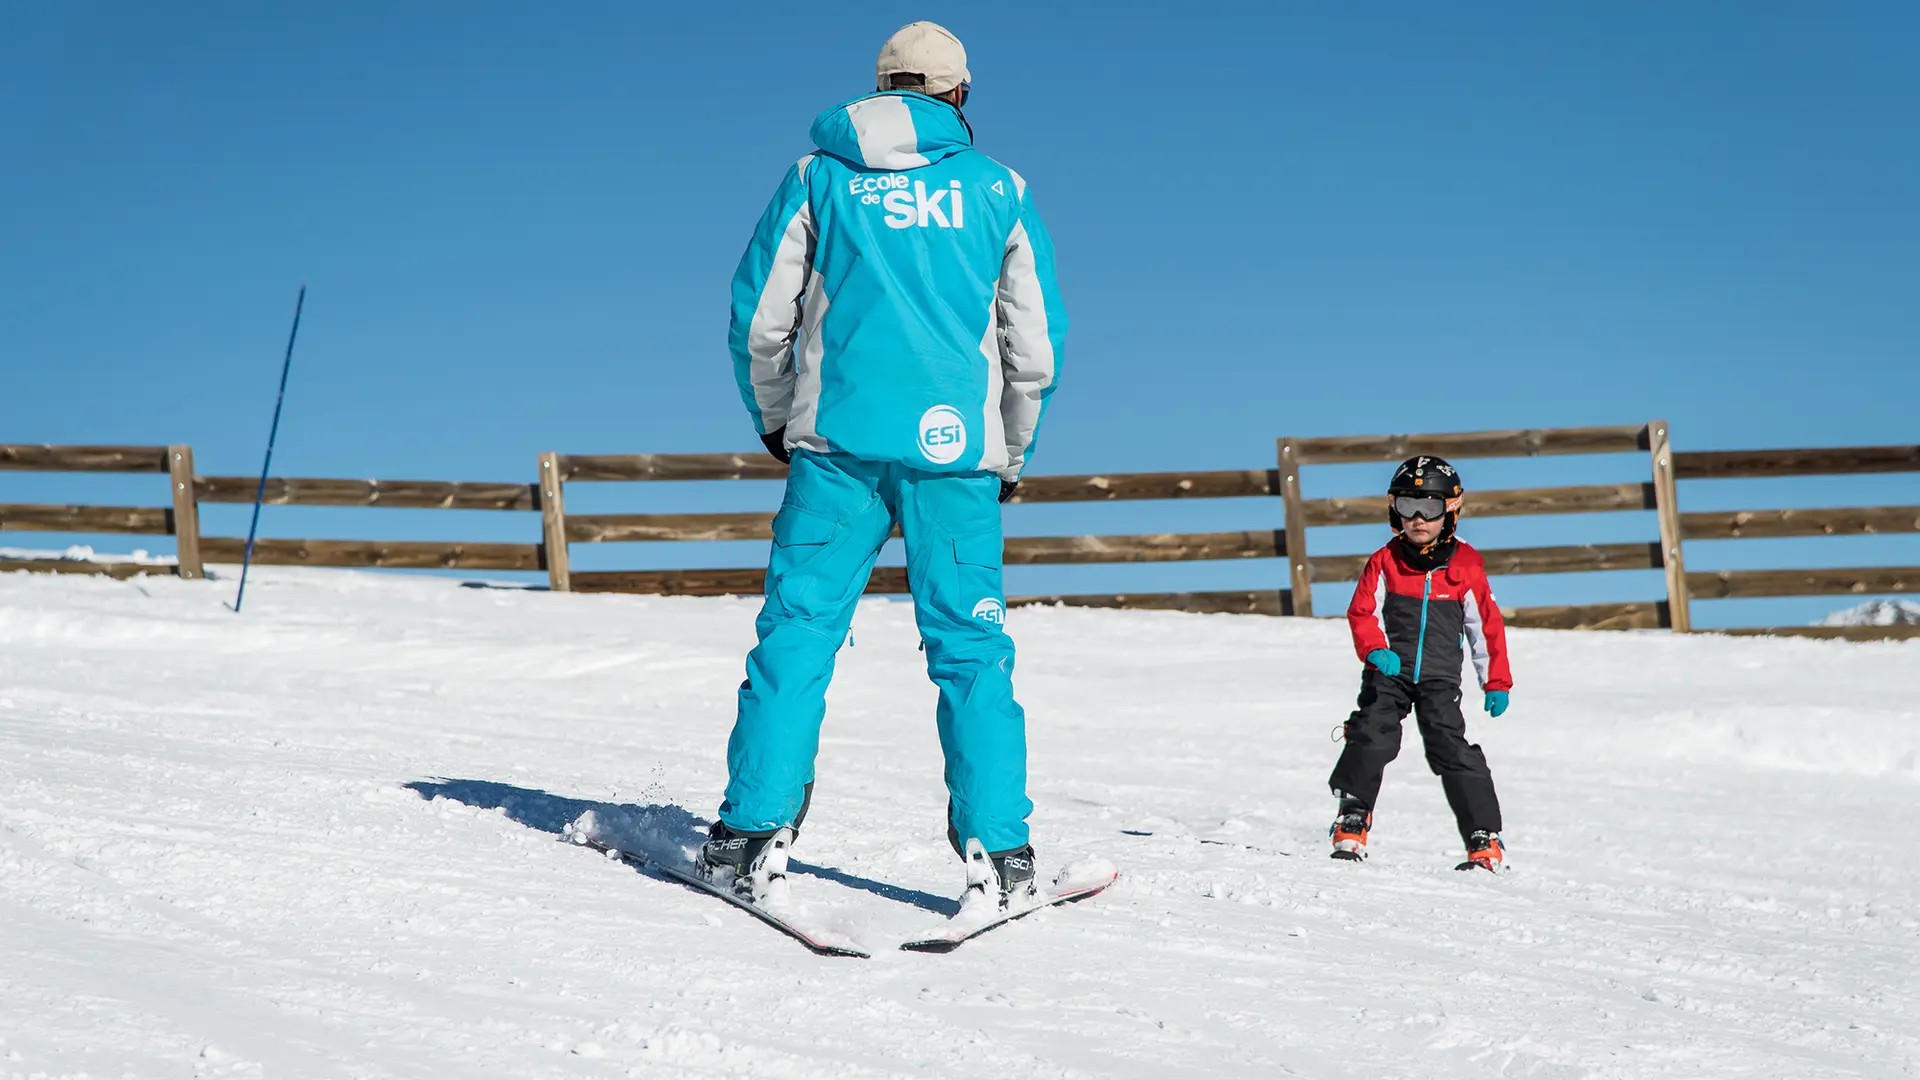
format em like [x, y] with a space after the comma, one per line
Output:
[895, 130]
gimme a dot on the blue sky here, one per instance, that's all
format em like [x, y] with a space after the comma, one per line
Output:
[518, 225]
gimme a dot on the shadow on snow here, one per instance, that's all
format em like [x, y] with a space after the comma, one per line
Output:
[660, 831]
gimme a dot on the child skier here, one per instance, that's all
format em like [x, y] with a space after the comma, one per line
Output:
[1422, 602]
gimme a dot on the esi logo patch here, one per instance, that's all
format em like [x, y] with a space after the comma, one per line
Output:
[991, 610]
[942, 435]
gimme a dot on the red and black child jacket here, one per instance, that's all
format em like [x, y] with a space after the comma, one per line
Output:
[1434, 619]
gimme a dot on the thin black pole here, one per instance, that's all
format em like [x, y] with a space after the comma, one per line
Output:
[272, 434]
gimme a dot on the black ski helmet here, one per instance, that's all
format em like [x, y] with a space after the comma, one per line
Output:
[1427, 475]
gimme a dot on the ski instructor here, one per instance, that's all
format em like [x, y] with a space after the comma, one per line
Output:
[896, 334]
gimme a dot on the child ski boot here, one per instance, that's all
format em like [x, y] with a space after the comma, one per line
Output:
[1484, 852]
[1000, 880]
[1349, 831]
[755, 867]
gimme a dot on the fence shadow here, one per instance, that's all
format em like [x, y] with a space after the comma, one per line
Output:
[658, 830]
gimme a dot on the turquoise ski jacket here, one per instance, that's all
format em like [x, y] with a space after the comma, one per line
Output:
[898, 302]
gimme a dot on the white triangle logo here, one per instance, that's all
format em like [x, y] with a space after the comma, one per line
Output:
[998, 189]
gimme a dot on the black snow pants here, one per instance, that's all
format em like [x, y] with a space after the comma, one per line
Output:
[1373, 740]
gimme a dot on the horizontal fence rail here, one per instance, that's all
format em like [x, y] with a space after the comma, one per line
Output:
[1168, 547]
[149, 520]
[645, 528]
[726, 582]
[748, 581]
[1199, 603]
[118, 571]
[1779, 524]
[1861, 580]
[1829, 461]
[1520, 502]
[1291, 594]
[1471, 444]
[107, 459]
[1630, 615]
[1118, 486]
[1571, 559]
[617, 467]
[391, 554]
[411, 494]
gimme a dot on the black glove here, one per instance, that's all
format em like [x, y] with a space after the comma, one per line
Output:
[1007, 488]
[777, 445]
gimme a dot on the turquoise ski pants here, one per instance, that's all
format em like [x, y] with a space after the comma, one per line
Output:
[837, 514]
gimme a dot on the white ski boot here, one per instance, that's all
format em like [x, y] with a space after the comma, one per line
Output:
[998, 881]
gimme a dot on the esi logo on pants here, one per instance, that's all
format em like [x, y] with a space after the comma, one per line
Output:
[990, 610]
[943, 435]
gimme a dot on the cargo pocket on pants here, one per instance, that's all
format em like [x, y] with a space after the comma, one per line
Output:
[801, 541]
[976, 568]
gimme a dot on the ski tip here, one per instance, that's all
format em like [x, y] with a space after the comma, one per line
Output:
[1110, 875]
[1349, 856]
[1094, 873]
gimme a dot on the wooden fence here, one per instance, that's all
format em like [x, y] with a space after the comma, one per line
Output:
[179, 519]
[1658, 494]
[1663, 548]
[182, 519]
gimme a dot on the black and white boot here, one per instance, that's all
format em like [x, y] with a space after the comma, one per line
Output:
[998, 880]
[755, 867]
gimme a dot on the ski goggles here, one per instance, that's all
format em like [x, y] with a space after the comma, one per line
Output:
[1423, 507]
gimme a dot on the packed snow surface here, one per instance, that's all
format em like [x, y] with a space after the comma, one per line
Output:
[82, 553]
[324, 839]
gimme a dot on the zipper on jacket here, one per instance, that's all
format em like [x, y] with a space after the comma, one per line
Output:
[1420, 650]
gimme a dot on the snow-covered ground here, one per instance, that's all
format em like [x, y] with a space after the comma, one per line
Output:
[83, 553]
[321, 840]
[1877, 613]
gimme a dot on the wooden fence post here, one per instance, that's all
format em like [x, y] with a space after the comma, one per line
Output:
[553, 522]
[1296, 534]
[186, 512]
[1666, 499]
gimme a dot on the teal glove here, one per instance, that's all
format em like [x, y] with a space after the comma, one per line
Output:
[1496, 702]
[1386, 660]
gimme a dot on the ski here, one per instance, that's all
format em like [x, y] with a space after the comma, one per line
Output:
[962, 929]
[820, 944]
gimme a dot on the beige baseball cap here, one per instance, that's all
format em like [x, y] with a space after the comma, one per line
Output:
[926, 49]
